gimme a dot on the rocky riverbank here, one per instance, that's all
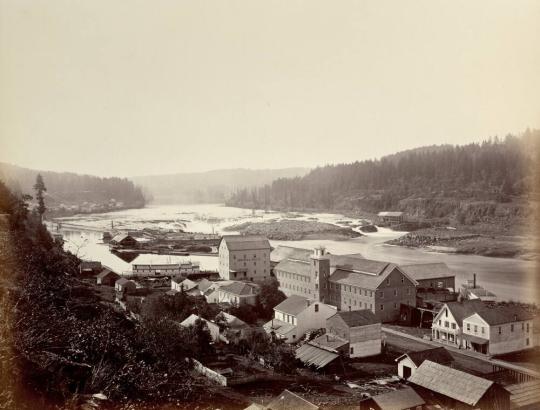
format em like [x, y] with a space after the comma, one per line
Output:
[294, 230]
[463, 242]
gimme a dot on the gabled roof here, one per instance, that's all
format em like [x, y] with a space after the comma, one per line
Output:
[187, 284]
[370, 277]
[504, 314]
[293, 305]
[245, 242]
[232, 320]
[329, 341]
[123, 281]
[314, 356]
[241, 288]
[288, 400]
[422, 271]
[105, 272]
[356, 318]
[452, 383]
[282, 252]
[191, 319]
[437, 354]
[298, 267]
[400, 399]
[204, 284]
[461, 310]
[120, 237]
[353, 261]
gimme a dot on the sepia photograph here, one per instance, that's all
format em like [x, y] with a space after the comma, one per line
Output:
[269, 205]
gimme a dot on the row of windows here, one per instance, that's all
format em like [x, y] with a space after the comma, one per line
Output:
[447, 324]
[245, 256]
[293, 276]
[350, 289]
[499, 329]
[296, 288]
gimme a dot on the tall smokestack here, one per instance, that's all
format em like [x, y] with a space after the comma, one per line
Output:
[474, 280]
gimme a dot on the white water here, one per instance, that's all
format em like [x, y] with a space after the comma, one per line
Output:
[508, 278]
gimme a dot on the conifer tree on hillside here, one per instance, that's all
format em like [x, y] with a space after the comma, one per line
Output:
[40, 188]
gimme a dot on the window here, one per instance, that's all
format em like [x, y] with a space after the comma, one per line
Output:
[446, 324]
[500, 330]
[483, 330]
[395, 305]
[408, 291]
[352, 349]
[381, 294]
[382, 307]
[512, 327]
[527, 342]
[527, 328]
[402, 279]
[453, 325]
[316, 307]
[445, 312]
[475, 328]
[395, 292]
[522, 326]
[388, 281]
[439, 322]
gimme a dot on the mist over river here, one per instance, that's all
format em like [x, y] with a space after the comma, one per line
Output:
[508, 278]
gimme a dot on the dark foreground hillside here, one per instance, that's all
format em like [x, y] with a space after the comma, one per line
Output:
[60, 344]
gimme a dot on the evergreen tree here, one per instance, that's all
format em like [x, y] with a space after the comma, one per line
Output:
[40, 188]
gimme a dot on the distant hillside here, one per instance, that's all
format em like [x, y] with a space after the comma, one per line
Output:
[211, 186]
[69, 193]
[428, 182]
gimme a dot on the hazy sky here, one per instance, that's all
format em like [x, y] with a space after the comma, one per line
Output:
[125, 87]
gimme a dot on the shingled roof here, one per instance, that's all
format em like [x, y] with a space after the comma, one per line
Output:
[452, 383]
[241, 288]
[355, 318]
[504, 314]
[294, 266]
[422, 271]
[400, 399]
[246, 242]
[293, 305]
[372, 274]
[461, 310]
[437, 354]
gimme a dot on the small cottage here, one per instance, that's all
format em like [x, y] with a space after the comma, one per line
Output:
[409, 362]
[124, 285]
[107, 277]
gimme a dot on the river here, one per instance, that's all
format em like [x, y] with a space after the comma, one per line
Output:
[509, 279]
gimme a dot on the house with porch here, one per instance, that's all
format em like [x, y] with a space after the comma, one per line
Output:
[447, 327]
[296, 315]
[498, 330]
[352, 334]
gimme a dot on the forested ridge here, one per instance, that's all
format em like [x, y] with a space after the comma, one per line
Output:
[66, 188]
[417, 180]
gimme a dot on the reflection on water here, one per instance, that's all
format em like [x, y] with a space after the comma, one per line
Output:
[508, 278]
